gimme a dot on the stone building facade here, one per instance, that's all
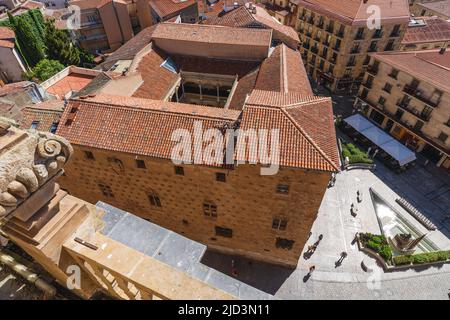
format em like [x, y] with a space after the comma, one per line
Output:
[336, 39]
[408, 95]
[244, 214]
[124, 147]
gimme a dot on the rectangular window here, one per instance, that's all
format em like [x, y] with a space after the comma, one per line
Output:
[443, 137]
[210, 209]
[283, 188]
[381, 100]
[279, 224]
[34, 124]
[154, 200]
[224, 232]
[106, 190]
[54, 127]
[179, 170]
[284, 243]
[387, 87]
[89, 155]
[393, 74]
[220, 176]
[140, 164]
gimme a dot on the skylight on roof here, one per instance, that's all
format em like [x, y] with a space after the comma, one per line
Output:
[169, 65]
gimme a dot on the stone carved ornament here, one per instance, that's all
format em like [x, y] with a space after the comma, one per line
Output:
[27, 163]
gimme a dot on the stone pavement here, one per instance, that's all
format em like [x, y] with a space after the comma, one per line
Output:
[338, 226]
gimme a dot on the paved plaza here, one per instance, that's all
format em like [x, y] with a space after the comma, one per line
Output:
[426, 186]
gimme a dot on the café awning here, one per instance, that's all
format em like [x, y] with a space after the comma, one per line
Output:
[380, 138]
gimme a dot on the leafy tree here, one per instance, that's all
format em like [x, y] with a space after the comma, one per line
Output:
[31, 44]
[45, 69]
[59, 46]
[38, 20]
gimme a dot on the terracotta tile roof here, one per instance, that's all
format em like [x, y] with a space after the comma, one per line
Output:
[73, 82]
[136, 126]
[214, 66]
[242, 18]
[430, 65]
[355, 12]
[6, 44]
[443, 7]
[306, 128]
[30, 5]
[434, 30]
[283, 71]
[46, 113]
[212, 34]
[244, 87]
[129, 50]
[6, 33]
[11, 88]
[157, 81]
[145, 127]
[168, 8]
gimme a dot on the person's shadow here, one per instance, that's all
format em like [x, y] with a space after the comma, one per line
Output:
[306, 278]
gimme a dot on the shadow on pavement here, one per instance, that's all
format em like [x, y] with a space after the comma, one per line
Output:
[261, 275]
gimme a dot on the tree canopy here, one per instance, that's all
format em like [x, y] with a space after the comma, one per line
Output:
[45, 69]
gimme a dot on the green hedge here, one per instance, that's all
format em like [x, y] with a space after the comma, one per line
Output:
[354, 154]
[422, 258]
[377, 243]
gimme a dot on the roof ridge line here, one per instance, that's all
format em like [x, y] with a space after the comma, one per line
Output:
[115, 105]
[310, 140]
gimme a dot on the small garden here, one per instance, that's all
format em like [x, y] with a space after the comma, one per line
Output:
[377, 243]
[422, 258]
[380, 245]
[354, 154]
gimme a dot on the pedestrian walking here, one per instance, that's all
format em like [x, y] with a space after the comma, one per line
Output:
[233, 269]
[311, 270]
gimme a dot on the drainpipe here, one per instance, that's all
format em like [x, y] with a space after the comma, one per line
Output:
[11, 260]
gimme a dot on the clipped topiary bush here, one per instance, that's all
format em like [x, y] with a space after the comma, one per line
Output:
[422, 258]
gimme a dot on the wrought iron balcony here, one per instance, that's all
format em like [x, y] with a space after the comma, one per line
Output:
[367, 84]
[418, 94]
[413, 111]
[372, 70]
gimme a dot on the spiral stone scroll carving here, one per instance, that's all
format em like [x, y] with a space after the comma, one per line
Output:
[32, 170]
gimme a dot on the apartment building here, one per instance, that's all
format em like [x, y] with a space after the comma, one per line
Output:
[105, 25]
[336, 39]
[426, 33]
[12, 66]
[431, 8]
[252, 16]
[222, 77]
[108, 24]
[408, 95]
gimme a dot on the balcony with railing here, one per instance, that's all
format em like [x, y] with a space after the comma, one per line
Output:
[355, 50]
[359, 36]
[372, 70]
[329, 29]
[416, 113]
[340, 33]
[315, 49]
[367, 84]
[418, 94]
[377, 34]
